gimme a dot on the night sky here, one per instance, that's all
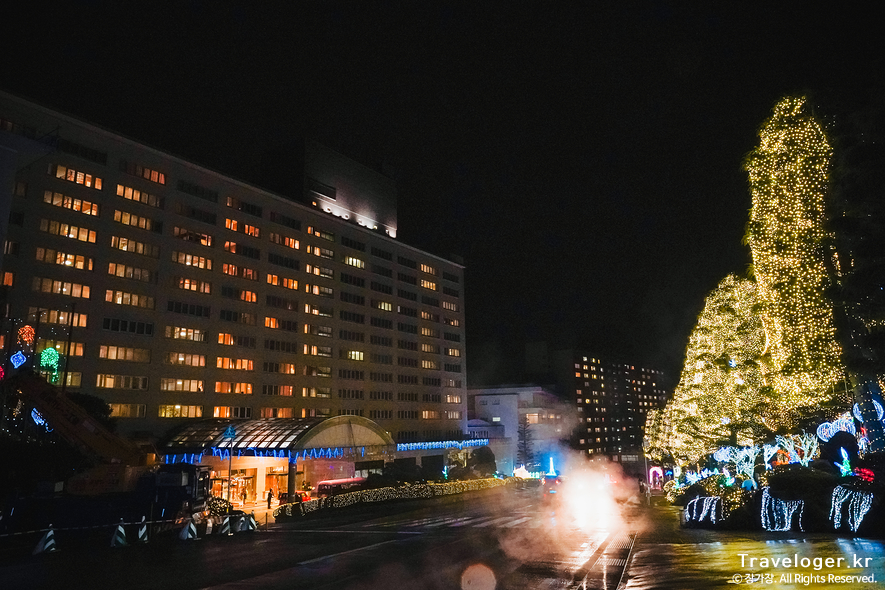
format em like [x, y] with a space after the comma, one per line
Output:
[585, 163]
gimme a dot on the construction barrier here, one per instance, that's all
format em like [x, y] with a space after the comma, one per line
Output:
[189, 531]
[253, 526]
[118, 538]
[142, 531]
[47, 543]
[225, 526]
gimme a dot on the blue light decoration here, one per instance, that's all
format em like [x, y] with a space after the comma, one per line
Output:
[859, 504]
[445, 444]
[552, 471]
[723, 454]
[701, 507]
[777, 515]
[845, 466]
[39, 420]
[18, 359]
[845, 423]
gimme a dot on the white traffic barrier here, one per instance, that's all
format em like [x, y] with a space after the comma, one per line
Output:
[46, 543]
[118, 538]
[142, 531]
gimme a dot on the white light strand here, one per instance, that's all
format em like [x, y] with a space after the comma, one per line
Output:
[707, 504]
[859, 504]
[777, 515]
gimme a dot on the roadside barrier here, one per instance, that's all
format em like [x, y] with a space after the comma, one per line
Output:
[225, 526]
[46, 544]
[253, 526]
[142, 531]
[189, 531]
[118, 538]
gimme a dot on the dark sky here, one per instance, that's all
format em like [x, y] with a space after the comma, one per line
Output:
[585, 162]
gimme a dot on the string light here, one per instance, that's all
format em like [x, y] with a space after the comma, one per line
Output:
[764, 348]
[708, 506]
[721, 386]
[845, 466]
[26, 335]
[777, 515]
[859, 504]
[789, 174]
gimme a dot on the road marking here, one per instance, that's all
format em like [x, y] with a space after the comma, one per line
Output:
[518, 521]
[325, 557]
[452, 521]
[491, 522]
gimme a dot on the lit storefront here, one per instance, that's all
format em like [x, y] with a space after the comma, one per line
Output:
[279, 454]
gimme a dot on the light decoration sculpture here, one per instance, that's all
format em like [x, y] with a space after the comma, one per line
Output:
[768, 451]
[551, 472]
[701, 507]
[880, 412]
[38, 419]
[720, 392]
[26, 335]
[844, 423]
[49, 362]
[777, 515]
[18, 359]
[789, 174]
[859, 504]
[745, 461]
[845, 466]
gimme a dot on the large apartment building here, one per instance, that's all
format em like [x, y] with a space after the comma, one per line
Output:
[612, 399]
[175, 292]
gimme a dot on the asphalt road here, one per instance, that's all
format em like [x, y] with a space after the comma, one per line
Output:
[504, 540]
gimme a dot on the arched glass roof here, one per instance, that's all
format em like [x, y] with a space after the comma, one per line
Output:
[268, 435]
[263, 434]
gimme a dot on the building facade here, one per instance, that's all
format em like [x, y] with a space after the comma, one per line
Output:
[612, 399]
[175, 292]
[526, 425]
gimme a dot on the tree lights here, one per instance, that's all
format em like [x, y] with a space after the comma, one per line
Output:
[720, 394]
[789, 174]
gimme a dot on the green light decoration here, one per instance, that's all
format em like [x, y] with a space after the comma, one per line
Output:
[49, 360]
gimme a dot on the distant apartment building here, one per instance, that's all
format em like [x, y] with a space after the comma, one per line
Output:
[612, 399]
[176, 293]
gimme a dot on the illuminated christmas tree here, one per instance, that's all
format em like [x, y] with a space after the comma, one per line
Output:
[721, 393]
[762, 353]
[789, 174]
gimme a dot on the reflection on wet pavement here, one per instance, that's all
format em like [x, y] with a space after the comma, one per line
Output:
[666, 556]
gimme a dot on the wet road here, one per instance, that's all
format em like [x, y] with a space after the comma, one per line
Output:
[510, 542]
[666, 556]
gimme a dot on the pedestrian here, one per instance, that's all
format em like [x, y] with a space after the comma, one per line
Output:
[244, 495]
[269, 497]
